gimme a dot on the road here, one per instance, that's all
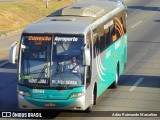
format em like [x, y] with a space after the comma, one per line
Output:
[5, 44]
[139, 86]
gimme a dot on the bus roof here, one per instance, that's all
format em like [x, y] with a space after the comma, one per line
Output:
[76, 18]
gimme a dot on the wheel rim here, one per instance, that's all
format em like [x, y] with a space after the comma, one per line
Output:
[92, 98]
[117, 77]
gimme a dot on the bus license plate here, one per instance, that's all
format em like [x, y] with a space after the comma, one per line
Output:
[49, 104]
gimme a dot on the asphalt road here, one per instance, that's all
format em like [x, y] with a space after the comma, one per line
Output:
[5, 44]
[139, 86]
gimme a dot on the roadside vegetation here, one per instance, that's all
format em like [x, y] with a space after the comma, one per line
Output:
[17, 15]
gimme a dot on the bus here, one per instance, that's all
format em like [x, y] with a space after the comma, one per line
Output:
[67, 60]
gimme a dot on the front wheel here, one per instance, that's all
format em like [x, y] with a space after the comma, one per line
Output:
[90, 108]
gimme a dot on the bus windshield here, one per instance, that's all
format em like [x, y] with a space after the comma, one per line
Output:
[35, 60]
[67, 60]
[51, 61]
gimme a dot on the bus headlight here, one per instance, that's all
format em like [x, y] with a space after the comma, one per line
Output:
[24, 93]
[76, 95]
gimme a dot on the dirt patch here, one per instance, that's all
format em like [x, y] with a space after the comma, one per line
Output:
[19, 14]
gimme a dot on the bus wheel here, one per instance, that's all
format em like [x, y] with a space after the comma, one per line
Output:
[90, 108]
[115, 83]
[126, 14]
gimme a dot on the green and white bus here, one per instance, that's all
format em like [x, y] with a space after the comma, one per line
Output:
[92, 35]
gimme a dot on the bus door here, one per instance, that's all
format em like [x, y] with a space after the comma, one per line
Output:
[88, 72]
[99, 63]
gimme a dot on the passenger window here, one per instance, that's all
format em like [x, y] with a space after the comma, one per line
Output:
[113, 33]
[107, 37]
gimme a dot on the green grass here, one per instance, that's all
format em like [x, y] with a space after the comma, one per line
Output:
[16, 15]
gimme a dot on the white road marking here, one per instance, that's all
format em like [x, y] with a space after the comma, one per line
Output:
[136, 24]
[4, 63]
[136, 84]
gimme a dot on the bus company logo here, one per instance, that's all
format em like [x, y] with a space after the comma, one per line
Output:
[6, 114]
[108, 24]
[46, 38]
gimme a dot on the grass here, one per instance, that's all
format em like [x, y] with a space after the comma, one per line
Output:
[17, 15]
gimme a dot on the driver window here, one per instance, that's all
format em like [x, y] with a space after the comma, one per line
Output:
[73, 66]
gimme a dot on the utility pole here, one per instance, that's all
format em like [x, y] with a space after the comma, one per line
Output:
[46, 3]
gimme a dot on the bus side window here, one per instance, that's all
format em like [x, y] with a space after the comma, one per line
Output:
[118, 32]
[101, 35]
[107, 37]
[102, 44]
[123, 20]
[113, 33]
[96, 44]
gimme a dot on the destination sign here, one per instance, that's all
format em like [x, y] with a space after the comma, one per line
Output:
[41, 81]
[39, 38]
[67, 82]
[66, 39]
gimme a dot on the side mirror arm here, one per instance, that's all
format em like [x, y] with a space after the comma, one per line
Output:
[86, 57]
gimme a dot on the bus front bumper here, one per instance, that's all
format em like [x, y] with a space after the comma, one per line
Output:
[26, 102]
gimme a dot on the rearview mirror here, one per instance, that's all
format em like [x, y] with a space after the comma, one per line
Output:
[12, 53]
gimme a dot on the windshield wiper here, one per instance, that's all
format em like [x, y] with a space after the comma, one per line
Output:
[40, 75]
[60, 74]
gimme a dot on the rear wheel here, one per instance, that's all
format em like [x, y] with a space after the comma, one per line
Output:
[115, 83]
[126, 14]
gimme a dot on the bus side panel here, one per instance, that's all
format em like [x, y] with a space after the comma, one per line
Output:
[123, 50]
[105, 64]
[120, 30]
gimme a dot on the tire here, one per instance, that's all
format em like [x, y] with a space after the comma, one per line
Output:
[115, 83]
[126, 14]
[90, 108]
